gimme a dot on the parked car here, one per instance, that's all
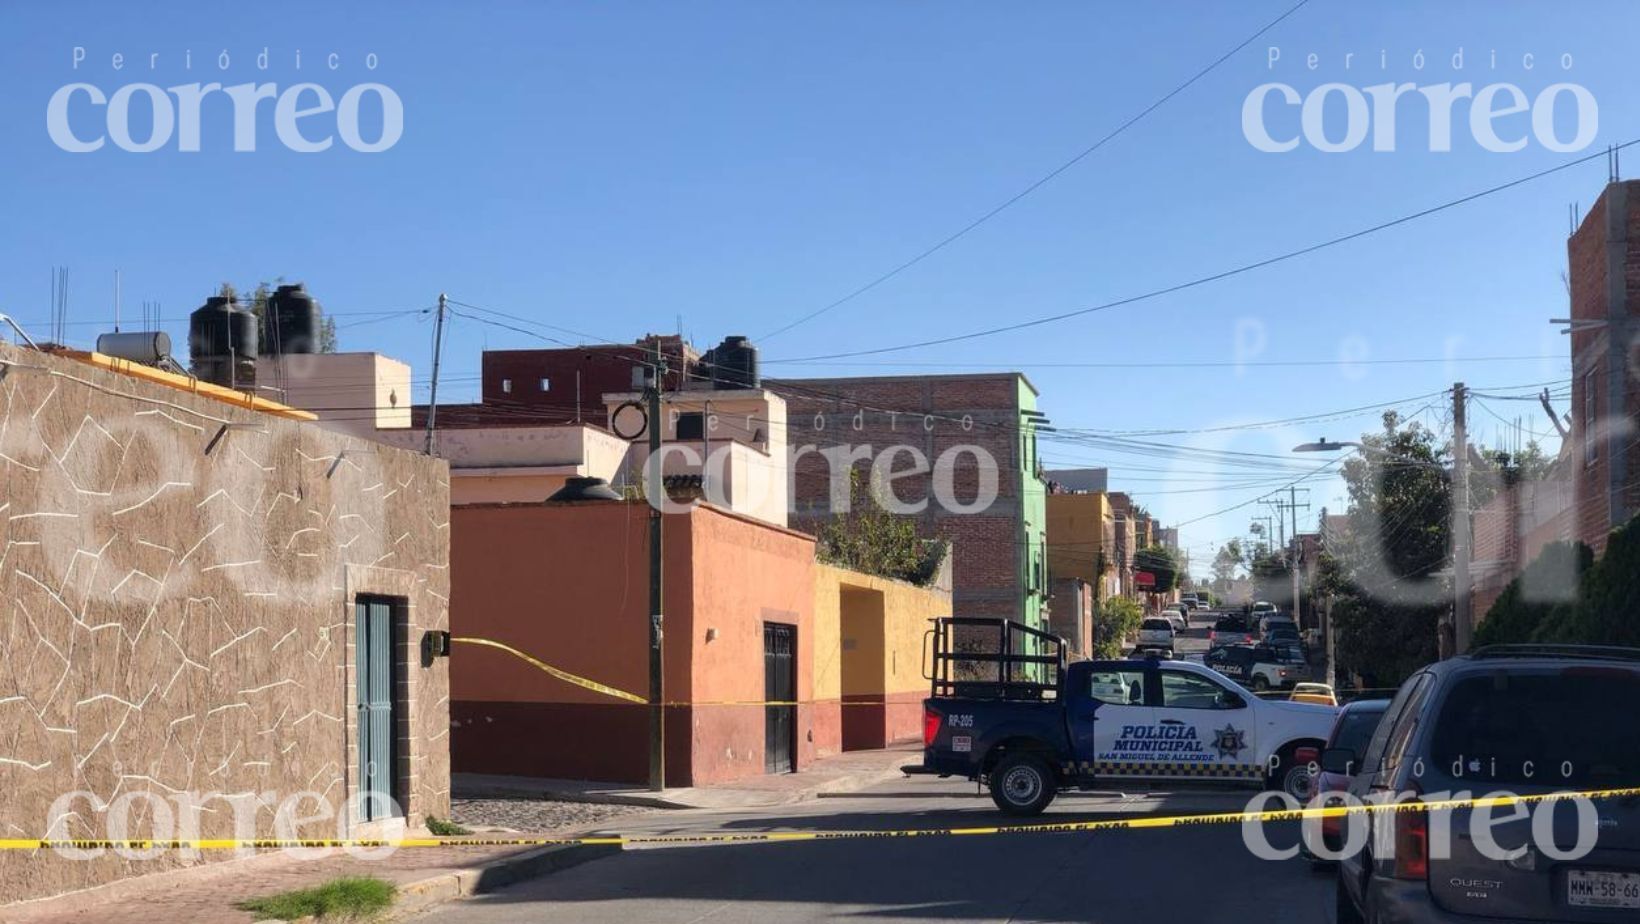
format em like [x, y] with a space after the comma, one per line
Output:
[1256, 667]
[1354, 728]
[1272, 622]
[1156, 633]
[1314, 693]
[1176, 614]
[1229, 630]
[1497, 719]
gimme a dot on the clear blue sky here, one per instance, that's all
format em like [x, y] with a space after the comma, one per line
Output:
[613, 167]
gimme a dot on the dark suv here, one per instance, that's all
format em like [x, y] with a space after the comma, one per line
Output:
[1523, 719]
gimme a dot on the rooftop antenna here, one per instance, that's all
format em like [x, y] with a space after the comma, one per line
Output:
[116, 301]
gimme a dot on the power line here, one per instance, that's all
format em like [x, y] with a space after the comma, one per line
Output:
[1223, 274]
[1196, 364]
[1039, 183]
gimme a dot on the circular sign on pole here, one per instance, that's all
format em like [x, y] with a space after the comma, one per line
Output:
[624, 411]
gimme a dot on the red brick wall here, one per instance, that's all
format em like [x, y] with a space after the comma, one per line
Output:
[987, 546]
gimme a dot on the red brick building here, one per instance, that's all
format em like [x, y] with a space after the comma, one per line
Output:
[943, 425]
[1604, 262]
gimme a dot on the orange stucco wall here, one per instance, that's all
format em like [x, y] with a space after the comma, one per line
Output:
[568, 584]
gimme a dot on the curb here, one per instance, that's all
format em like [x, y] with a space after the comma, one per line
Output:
[415, 897]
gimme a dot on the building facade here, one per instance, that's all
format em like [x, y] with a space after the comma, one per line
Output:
[971, 438]
[1603, 258]
[205, 599]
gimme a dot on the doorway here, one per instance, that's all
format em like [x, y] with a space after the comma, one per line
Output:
[377, 641]
[779, 686]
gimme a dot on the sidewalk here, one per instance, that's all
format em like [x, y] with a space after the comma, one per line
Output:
[207, 892]
[846, 772]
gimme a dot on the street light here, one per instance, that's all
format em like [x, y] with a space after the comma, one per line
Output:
[1323, 445]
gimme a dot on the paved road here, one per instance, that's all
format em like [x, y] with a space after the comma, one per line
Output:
[1160, 875]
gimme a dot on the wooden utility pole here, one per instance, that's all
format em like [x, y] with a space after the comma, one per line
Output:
[438, 350]
[1462, 625]
[657, 494]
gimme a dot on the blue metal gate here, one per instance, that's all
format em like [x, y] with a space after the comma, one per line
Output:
[373, 646]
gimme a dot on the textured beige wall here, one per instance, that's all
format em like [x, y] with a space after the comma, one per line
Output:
[176, 611]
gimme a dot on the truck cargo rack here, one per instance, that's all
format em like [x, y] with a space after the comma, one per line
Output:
[997, 659]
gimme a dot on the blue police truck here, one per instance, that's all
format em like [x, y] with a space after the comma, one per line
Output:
[1008, 711]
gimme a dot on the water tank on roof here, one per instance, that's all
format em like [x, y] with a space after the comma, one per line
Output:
[734, 363]
[222, 343]
[291, 322]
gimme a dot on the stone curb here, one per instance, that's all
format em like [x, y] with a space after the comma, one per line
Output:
[415, 897]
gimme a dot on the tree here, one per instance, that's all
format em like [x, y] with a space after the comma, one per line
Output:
[1388, 606]
[1114, 620]
[870, 539]
[1228, 560]
[1162, 562]
[1272, 581]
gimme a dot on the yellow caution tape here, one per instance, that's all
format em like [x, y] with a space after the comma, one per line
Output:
[620, 694]
[565, 676]
[641, 840]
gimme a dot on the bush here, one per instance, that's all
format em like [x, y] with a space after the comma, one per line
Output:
[1605, 609]
[1113, 621]
[1540, 603]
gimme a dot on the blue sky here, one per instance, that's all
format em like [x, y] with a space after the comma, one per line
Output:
[617, 167]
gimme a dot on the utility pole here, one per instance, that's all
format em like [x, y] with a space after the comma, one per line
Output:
[438, 349]
[1461, 623]
[657, 683]
[1292, 504]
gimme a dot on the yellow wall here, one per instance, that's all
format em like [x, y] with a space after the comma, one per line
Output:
[1076, 531]
[896, 659]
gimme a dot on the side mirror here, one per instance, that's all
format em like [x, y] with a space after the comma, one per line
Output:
[1229, 700]
[1339, 760]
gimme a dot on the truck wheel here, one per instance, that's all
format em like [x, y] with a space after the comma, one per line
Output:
[1022, 784]
[1260, 685]
[1293, 779]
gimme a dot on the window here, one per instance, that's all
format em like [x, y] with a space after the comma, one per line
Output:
[1568, 728]
[1591, 427]
[1188, 691]
[506, 386]
[1393, 735]
[691, 426]
[546, 385]
[1118, 688]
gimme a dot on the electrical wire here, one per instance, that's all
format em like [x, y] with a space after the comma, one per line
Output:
[1039, 183]
[1218, 276]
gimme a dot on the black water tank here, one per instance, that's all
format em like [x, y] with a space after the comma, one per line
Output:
[291, 322]
[222, 342]
[734, 364]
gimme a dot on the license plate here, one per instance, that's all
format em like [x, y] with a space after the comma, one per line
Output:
[1596, 889]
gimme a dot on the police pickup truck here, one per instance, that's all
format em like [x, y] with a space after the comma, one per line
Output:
[1008, 711]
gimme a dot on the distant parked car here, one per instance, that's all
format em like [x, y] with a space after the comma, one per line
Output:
[1229, 630]
[1176, 614]
[1156, 633]
[1318, 693]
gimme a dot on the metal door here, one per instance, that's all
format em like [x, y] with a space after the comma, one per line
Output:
[779, 686]
[373, 647]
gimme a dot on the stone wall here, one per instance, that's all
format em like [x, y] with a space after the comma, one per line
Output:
[177, 579]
